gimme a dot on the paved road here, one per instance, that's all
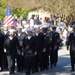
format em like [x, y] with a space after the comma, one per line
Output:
[63, 66]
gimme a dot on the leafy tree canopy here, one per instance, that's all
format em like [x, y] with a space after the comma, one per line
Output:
[57, 7]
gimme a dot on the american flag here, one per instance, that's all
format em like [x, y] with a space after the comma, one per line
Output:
[8, 17]
[15, 22]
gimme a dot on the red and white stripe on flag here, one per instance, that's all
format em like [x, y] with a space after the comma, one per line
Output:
[8, 20]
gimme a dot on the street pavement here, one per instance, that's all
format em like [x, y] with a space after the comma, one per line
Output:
[63, 66]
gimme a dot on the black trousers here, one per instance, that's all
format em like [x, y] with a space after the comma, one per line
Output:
[29, 63]
[11, 63]
[45, 60]
[20, 62]
[51, 60]
[5, 62]
[72, 60]
[1, 62]
[36, 63]
[40, 60]
[53, 57]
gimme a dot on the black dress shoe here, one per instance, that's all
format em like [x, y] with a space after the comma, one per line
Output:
[27, 73]
[33, 71]
[47, 68]
[41, 69]
[19, 71]
[72, 70]
[36, 71]
[51, 66]
[54, 64]
[11, 73]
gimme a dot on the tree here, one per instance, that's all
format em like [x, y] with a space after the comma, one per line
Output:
[57, 7]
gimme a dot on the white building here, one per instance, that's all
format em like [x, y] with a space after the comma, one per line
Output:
[40, 14]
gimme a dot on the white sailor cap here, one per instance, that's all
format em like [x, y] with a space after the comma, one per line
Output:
[19, 27]
[36, 26]
[48, 24]
[29, 30]
[44, 26]
[11, 30]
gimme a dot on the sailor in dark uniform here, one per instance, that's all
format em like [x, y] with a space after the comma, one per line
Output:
[37, 31]
[20, 58]
[49, 43]
[28, 48]
[71, 43]
[39, 47]
[46, 49]
[12, 47]
[5, 33]
[1, 49]
[55, 46]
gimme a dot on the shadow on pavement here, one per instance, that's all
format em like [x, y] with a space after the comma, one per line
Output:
[63, 68]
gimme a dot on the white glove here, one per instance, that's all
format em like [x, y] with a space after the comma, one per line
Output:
[35, 53]
[44, 50]
[5, 50]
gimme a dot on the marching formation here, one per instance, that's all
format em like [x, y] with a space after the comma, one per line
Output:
[33, 49]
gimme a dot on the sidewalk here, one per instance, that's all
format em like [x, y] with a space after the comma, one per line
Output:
[63, 66]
